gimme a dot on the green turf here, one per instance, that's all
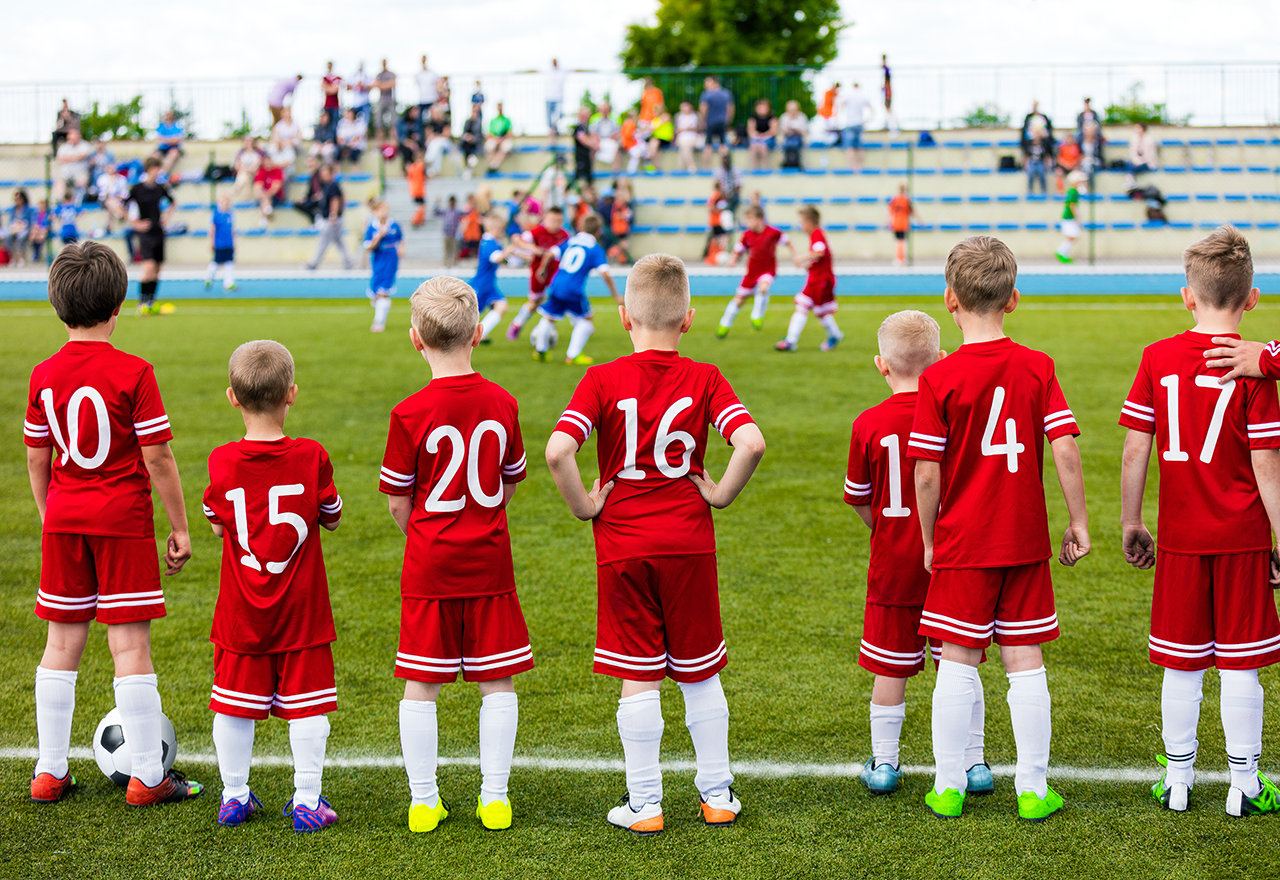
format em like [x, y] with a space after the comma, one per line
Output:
[792, 563]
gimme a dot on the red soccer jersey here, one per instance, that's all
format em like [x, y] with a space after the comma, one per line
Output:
[452, 446]
[545, 239]
[270, 498]
[762, 250]
[984, 413]
[879, 475]
[652, 410]
[98, 406]
[1209, 501]
[820, 269]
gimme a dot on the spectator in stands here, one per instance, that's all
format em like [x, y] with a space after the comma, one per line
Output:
[1034, 119]
[439, 139]
[281, 95]
[477, 97]
[555, 97]
[853, 109]
[1066, 161]
[40, 230]
[113, 193]
[72, 166]
[68, 120]
[169, 137]
[471, 142]
[1086, 116]
[828, 113]
[324, 140]
[650, 100]
[331, 87]
[686, 123]
[1039, 153]
[584, 148]
[729, 180]
[245, 165]
[428, 82]
[470, 232]
[311, 204]
[22, 220]
[450, 223]
[500, 140]
[607, 131]
[286, 138]
[1143, 154]
[410, 133]
[444, 99]
[886, 89]
[268, 188]
[351, 136]
[662, 133]
[1091, 151]
[762, 134]
[385, 83]
[99, 160]
[329, 220]
[360, 86]
[794, 127]
[715, 108]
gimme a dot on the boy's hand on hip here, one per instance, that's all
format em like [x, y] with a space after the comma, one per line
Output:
[596, 498]
[1140, 548]
[706, 488]
[177, 552]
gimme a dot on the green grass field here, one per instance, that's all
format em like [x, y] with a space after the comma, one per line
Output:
[792, 563]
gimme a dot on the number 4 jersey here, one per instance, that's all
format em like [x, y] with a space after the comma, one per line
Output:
[1204, 432]
[270, 497]
[984, 414]
[452, 446]
[651, 411]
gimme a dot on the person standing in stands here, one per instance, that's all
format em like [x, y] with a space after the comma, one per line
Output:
[331, 87]
[715, 106]
[281, 94]
[555, 97]
[385, 82]
[886, 88]
[428, 88]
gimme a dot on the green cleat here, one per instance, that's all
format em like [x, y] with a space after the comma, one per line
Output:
[541, 357]
[722, 331]
[1170, 795]
[1266, 801]
[948, 805]
[1063, 258]
[757, 323]
[1037, 809]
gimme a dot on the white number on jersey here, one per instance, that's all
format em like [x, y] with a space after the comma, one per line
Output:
[460, 449]
[574, 257]
[1175, 452]
[275, 516]
[1010, 448]
[892, 443]
[70, 445]
[661, 443]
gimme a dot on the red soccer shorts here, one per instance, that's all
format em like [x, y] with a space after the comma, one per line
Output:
[537, 287]
[966, 606]
[820, 296]
[891, 643]
[751, 281]
[484, 638]
[291, 684]
[659, 618]
[1214, 611]
[88, 577]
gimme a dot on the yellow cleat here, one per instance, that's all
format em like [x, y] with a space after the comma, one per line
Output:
[495, 816]
[582, 360]
[424, 818]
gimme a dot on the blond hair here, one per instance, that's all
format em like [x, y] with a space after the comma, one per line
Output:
[261, 374]
[445, 312]
[657, 294]
[981, 271]
[909, 342]
[1220, 268]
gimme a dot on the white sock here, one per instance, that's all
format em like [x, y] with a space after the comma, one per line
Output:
[233, 742]
[228, 276]
[582, 330]
[829, 324]
[489, 321]
[541, 335]
[796, 326]
[706, 714]
[1242, 727]
[381, 308]
[211, 273]
[953, 694]
[973, 748]
[307, 739]
[759, 306]
[640, 729]
[55, 705]
[1032, 726]
[138, 700]
[1180, 698]
[886, 732]
[730, 312]
[522, 317]
[419, 739]
[499, 715]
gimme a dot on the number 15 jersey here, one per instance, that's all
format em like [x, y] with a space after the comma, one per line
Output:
[1204, 434]
[984, 414]
[651, 411]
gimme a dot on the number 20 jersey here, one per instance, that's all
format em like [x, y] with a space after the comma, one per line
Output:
[651, 411]
[984, 414]
[451, 447]
[1204, 432]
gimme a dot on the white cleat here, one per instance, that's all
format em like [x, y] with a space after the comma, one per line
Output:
[646, 821]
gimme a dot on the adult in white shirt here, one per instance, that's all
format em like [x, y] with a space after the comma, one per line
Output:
[280, 94]
[113, 192]
[72, 160]
[1143, 156]
[555, 96]
[686, 122]
[286, 138]
[352, 135]
[360, 85]
[428, 88]
[607, 131]
[854, 108]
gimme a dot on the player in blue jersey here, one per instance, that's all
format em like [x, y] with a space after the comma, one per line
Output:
[65, 217]
[492, 253]
[567, 295]
[223, 235]
[384, 241]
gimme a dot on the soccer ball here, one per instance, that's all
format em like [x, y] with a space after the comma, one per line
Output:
[553, 336]
[722, 258]
[112, 752]
[167, 308]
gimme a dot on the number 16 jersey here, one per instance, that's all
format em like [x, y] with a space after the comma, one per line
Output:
[984, 414]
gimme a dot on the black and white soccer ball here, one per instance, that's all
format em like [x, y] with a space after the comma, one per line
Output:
[112, 752]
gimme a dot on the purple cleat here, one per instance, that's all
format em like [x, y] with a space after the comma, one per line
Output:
[233, 813]
[513, 332]
[306, 820]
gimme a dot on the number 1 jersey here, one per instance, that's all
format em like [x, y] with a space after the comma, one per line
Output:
[984, 414]
[651, 411]
[1204, 434]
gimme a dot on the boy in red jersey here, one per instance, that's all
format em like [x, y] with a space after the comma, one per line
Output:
[981, 420]
[537, 245]
[272, 626]
[101, 409]
[459, 610]
[897, 582]
[760, 241]
[1219, 503]
[819, 293]
[658, 604]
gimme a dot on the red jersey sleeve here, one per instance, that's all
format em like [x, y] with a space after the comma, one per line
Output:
[149, 420]
[329, 501]
[928, 439]
[580, 417]
[1269, 360]
[1058, 418]
[1262, 414]
[857, 480]
[513, 463]
[400, 461]
[208, 497]
[1139, 412]
[35, 426]
[727, 412]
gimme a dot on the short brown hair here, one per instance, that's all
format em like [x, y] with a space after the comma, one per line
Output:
[754, 210]
[810, 213]
[152, 162]
[445, 312]
[909, 342]
[657, 293]
[260, 373]
[591, 224]
[981, 271]
[1220, 268]
[87, 284]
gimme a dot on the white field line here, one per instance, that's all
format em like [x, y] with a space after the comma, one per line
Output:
[757, 769]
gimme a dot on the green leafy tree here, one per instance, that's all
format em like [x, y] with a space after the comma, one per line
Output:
[985, 116]
[1132, 109]
[120, 121]
[781, 38]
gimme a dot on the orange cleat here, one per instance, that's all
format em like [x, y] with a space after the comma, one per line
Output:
[721, 810]
[172, 788]
[645, 821]
[48, 789]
